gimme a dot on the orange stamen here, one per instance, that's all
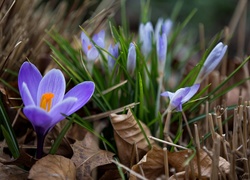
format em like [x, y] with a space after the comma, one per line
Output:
[89, 47]
[46, 101]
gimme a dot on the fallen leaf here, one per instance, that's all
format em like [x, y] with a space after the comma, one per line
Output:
[88, 156]
[12, 172]
[177, 159]
[127, 135]
[53, 167]
[23, 160]
[152, 164]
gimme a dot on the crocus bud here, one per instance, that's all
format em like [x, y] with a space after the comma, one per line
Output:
[113, 50]
[161, 48]
[212, 61]
[131, 60]
[145, 33]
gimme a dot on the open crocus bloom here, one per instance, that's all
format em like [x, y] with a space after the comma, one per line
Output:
[89, 49]
[44, 98]
[181, 96]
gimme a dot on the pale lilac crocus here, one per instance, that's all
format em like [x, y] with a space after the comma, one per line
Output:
[163, 27]
[45, 101]
[114, 51]
[88, 47]
[180, 97]
[161, 49]
[131, 60]
[145, 34]
[212, 61]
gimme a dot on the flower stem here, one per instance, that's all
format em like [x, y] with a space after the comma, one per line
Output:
[40, 141]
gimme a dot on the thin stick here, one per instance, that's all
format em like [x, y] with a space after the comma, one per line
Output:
[129, 170]
[165, 151]
[168, 143]
[188, 128]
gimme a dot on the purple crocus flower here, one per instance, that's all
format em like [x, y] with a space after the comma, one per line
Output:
[212, 61]
[88, 48]
[113, 50]
[131, 60]
[180, 97]
[45, 101]
[145, 34]
[163, 27]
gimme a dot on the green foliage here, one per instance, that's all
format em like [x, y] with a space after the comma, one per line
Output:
[7, 131]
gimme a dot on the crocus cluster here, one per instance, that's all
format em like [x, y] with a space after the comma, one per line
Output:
[45, 101]
[180, 97]
[212, 61]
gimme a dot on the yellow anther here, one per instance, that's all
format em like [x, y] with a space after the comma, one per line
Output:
[46, 101]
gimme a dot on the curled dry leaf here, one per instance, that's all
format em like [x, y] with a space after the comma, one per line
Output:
[88, 156]
[128, 137]
[177, 159]
[53, 167]
[12, 172]
[152, 164]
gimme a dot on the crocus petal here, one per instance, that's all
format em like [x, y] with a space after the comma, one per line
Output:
[31, 76]
[168, 94]
[167, 26]
[191, 93]
[145, 33]
[61, 109]
[161, 47]
[92, 54]
[26, 96]
[39, 118]
[83, 92]
[99, 39]
[85, 42]
[158, 27]
[113, 50]
[52, 82]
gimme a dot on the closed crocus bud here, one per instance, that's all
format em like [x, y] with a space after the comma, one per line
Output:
[145, 33]
[131, 60]
[212, 61]
[113, 50]
[161, 48]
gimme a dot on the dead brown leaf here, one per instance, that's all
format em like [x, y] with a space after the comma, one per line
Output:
[152, 164]
[128, 136]
[53, 167]
[12, 172]
[177, 159]
[88, 156]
